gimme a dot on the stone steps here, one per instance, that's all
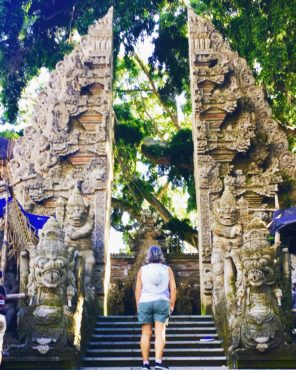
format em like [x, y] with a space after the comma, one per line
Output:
[171, 368]
[192, 341]
[169, 344]
[109, 324]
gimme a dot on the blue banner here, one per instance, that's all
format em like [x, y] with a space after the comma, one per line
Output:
[282, 218]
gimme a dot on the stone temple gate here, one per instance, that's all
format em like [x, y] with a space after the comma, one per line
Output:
[63, 166]
[68, 145]
[241, 160]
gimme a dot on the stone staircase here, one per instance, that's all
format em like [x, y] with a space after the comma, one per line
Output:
[192, 341]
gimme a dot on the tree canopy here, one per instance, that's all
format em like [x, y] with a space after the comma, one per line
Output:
[154, 149]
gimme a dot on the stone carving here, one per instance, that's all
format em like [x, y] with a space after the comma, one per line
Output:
[69, 141]
[207, 279]
[51, 289]
[259, 297]
[227, 241]
[70, 122]
[245, 279]
[79, 224]
[236, 142]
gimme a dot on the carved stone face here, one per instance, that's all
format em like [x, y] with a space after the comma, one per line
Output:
[76, 215]
[228, 215]
[50, 273]
[51, 264]
[256, 277]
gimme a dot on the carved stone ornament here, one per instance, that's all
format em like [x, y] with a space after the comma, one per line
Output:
[236, 142]
[259, 306]
[227, 240]
[78, 226]
[51, 288]
[66, 140]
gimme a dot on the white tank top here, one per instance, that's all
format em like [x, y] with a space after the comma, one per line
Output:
[148, 293]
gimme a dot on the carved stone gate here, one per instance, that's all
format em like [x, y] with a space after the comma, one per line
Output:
[241, 158]
[63, 166]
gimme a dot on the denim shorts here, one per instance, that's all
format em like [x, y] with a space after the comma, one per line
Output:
[149, 312]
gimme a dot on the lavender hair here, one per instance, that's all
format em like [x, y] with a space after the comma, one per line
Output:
[155, 255]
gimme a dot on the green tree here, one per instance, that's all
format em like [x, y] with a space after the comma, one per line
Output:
[154, 149]
[263, 32]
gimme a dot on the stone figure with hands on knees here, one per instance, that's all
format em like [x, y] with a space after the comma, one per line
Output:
[79, 225]
[155, 298]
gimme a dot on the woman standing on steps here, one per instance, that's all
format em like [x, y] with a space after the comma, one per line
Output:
[155, 298]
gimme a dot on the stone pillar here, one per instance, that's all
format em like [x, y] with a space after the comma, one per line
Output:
[241, 156]
[236, 140]
[69, 141]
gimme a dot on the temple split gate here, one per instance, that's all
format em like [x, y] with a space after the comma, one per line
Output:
[63, 166]
[241, 159]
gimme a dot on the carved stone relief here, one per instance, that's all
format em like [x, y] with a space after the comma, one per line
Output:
[71, 123]
[64, 164]
[237, 144]
[235, 138]
[79, 225]
[51, 289]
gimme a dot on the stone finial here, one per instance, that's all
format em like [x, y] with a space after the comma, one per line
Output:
[51, 230]
[228, 210]
[76, 198]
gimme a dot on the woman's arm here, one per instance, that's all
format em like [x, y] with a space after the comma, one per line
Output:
[138, 288]
[173, 290]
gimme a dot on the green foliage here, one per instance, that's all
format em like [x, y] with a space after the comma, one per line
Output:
[285, 190]
[264, 33]
[36, 33]
[129, 134]
[9, 134]
[179, 227]
[179, 153]
[171, 50]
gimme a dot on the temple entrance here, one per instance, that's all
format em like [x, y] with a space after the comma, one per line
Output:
[121, 296]
[125, 266]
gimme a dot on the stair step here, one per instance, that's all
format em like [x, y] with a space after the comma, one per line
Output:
[177, 317]
[174, 344]
[136, 323]
[134, 318]
[168, 336]
[168, 330]
[192, 341]
[168, 351]
[173, 361]
[171, 368]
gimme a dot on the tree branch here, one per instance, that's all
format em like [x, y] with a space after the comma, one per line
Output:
[173, 117]
[190, 236]
[125, 206]
[162, 159]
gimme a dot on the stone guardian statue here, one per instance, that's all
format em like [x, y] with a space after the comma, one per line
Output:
[78, 226]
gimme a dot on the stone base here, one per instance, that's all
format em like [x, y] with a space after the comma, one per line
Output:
[37, 362]
[277, 359]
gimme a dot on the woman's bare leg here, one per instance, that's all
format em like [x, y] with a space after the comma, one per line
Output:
[159, 339]
[145, 341]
